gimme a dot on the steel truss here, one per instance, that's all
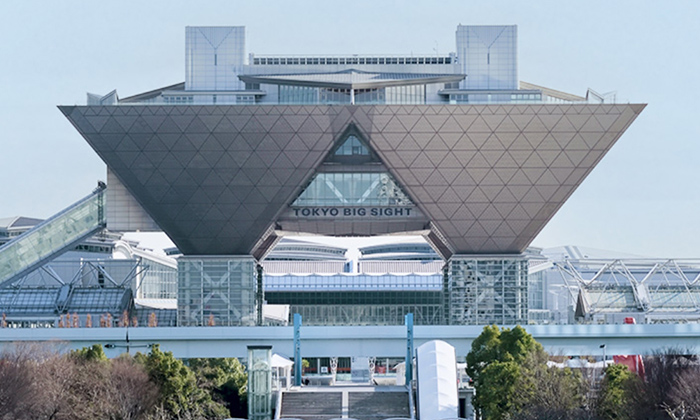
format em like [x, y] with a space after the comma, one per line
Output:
[650, 290]
[78, 288]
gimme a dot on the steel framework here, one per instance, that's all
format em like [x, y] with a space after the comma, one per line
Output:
[80, 288]
[216, 291]
[488, 290]
[649, 290]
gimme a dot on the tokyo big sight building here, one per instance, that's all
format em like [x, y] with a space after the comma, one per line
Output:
[251, 148]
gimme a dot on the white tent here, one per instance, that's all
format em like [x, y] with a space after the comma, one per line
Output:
[281, 361]
[281, 368]
[436, 367]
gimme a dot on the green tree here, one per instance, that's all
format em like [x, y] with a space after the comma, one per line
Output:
[90, 354]
[505, 350]
[486, 349]
[500, 345]
[512, 380]
[520, 345]
[180, 396]
[226, 380]
[549, 393]
[616, 393]
[496, 392]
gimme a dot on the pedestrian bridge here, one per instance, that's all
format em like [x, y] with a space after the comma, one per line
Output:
[345, 341]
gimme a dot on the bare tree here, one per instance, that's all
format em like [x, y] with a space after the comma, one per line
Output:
[663, 371]
[52, 378]
[88, 390]
[133, 394]
[40, 383]
[684, 398]
[160, 413]
[15, 386]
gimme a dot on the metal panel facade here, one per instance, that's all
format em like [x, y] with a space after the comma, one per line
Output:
[217, 178]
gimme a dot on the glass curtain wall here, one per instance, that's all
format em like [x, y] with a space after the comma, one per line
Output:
[488, 291]
[49, 238]
[384, 314]
[348, 189]
[216, 291]
[413, 94]
[158, 281]
[298, 95]
[259, 382]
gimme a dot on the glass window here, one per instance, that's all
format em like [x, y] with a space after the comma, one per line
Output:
[348, 189]
[352, 147]
[297, 95]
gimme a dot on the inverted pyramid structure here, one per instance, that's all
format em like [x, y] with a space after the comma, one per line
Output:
[484, 178]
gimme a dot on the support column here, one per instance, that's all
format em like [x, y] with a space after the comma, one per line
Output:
[297, 350]
[446, 298]
[216, 290]
[409, 349]
[488, 289]
[259, 294]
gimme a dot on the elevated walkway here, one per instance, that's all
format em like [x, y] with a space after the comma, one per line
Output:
[354, 402]
[52, 237]
[342, 341]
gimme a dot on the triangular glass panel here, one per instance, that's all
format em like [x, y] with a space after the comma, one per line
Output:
[352, 149]
[352, 175]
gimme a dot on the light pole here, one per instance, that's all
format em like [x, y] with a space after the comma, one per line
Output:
[603, 346]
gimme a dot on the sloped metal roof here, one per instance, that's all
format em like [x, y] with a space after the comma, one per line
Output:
[52, 301]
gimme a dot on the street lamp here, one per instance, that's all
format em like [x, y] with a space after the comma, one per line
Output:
[603, 346]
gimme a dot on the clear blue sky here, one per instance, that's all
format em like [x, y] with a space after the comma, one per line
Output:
[643, 198]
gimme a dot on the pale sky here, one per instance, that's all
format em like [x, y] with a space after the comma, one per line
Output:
[643, 198]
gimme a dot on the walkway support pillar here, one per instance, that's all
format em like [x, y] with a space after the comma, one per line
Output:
[216, 290]
[409, 348]
[259, 295]
[297, 350]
